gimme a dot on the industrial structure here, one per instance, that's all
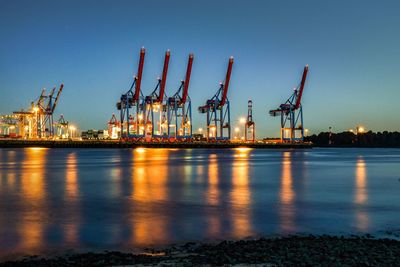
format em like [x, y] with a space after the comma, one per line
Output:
[180, 109]
[250, 125]
[8, 125]
[157, 117]
[62, 127]
[291, 113]
[156, 122]
[114, 128]
[47, 105]
[218, 111]
[131, 106]
[35, 123]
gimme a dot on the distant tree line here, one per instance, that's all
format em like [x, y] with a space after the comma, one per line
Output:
[349, 139]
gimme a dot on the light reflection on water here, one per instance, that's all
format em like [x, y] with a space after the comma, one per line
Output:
[71, 226]
[240, 194]
[34, 192]
[113, 199]
[213, 191]
[287, 194]
[361, 195]
[149, 190]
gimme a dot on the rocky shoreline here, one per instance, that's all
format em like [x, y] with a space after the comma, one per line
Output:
[283, 251]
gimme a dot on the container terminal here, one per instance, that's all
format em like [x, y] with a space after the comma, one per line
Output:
[155, 119]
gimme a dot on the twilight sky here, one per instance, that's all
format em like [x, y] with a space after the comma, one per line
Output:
[352, 48]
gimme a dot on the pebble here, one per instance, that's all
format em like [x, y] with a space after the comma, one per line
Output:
[283, 251]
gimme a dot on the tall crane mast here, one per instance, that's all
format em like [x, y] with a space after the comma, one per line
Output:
[218, 110]
[53, 108]
[156, 107]
[291, 113]
[250, 125]
[131, 105]
[180, 109]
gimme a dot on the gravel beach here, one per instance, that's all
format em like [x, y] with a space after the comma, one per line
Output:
[285, 251]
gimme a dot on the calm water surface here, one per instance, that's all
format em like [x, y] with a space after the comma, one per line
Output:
[55, 199]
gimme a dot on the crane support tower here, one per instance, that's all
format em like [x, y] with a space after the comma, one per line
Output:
[218, 111]
[62, 127]
[156, 107]
[44, 111]
[114, 128]
[131, 106]
[250, 125]
[291, 112]
[180, 109]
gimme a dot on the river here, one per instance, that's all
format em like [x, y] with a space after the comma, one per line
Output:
[95, 199]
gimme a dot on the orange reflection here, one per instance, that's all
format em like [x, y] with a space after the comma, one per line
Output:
[34, 193]
[149, 178]
[213, 191]
[214, 223]
[287, 194]
[71, 187]
[361, 195]
[240, 194]
[361, 182]
[242, 152]
[71, 196]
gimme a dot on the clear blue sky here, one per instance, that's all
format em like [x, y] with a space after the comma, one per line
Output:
[352, 47]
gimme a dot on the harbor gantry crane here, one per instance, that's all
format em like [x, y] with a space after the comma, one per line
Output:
[291, 112]
[218, 111]
[250, 125]
[43, 112]
[131, 106]
[114, 127]
[49, 111]
[156, 106]
[62, 127]
[180, 109]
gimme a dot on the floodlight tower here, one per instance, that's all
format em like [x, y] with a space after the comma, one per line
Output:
[131, 106]
[156, 106]
[218, 111]
[291, 112]
[180, 109]
[250, 125]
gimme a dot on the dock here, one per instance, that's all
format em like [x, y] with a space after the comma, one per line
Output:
[10, 143]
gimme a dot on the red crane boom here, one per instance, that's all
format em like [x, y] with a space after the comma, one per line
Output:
[139, 75]
[187, 79]
[226, 85]
[303, 81]
[164, 77]
[57, 98]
